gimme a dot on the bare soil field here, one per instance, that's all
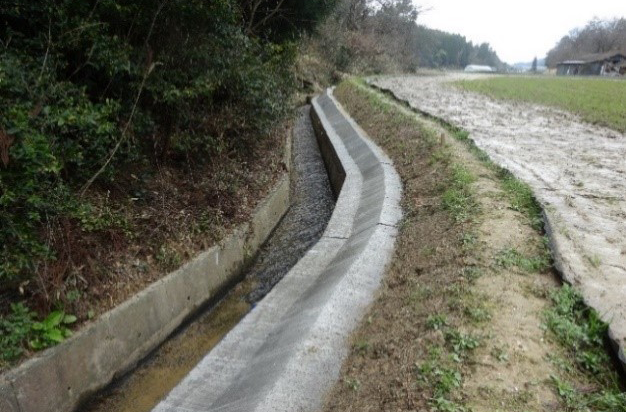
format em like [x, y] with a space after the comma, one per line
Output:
[577, 172]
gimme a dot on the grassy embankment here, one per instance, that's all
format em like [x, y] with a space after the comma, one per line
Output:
[598, 101]
[471, 315]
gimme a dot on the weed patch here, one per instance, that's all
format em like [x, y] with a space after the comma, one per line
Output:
[576, 401]
[511, 257]
[522, 198]
[578, 327]
[20, 332]
[580, 331]
[436, 322]
[443, 378]
[459, 199]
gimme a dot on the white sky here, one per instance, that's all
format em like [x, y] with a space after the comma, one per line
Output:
[516, 30]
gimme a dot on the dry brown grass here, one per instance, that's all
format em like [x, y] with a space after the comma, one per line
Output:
[428, 266]
[155, 219]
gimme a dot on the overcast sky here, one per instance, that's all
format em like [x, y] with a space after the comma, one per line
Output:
[516, 30]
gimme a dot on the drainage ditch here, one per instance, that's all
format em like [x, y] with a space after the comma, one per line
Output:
[301, 227]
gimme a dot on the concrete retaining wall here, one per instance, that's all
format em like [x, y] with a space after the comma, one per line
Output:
[286, 353]
[60, 378]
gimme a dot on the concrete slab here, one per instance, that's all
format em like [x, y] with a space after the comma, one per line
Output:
[286, 353]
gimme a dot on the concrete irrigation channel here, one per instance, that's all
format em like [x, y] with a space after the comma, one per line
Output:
[286, 353]
[276, 341]
[312, 203]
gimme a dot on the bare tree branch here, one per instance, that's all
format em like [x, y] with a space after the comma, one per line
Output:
[45, 59]
[254, 6]
[265, 19]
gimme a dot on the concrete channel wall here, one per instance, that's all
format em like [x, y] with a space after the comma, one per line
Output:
[60, 378]
[287, 352]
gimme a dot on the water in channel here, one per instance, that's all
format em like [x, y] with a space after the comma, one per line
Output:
[312, 204]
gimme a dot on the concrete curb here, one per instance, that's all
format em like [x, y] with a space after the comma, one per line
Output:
[60, 378]
[287, 352]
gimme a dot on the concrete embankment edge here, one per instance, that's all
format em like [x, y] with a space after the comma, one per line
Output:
[60, 378]
[555, 237]
[287, 352]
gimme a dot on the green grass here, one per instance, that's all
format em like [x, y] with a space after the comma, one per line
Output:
[522, 198]
[579, 329]
[459, 199]
[598, 101]
[510, 257]
[20, 331]
[442, 371]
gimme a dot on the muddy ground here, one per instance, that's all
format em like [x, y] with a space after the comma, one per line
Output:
[576, 170]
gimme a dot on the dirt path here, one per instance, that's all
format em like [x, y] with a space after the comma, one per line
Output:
[511, 370]
[577, 171]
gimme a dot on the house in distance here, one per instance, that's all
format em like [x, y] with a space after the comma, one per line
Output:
[602, 64]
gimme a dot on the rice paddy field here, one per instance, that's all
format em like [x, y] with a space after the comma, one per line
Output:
[595, 100]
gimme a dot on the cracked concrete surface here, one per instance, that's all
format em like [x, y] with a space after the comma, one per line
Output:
[576, 170]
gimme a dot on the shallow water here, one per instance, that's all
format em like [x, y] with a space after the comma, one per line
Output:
[302, 226]
[312, 204]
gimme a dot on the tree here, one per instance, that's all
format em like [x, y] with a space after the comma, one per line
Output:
[92, 89]
[533, 68]
[598, 36]
[282, 19]
[441, 58]
[382, 35]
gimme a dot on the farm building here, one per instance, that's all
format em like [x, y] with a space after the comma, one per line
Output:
[605, 64]
[475, 68]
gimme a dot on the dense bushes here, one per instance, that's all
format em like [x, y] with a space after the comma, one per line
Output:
[90, 88]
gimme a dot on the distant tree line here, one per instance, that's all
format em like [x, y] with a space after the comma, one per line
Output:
[382, 35]
[441, 49]
[598, 36]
